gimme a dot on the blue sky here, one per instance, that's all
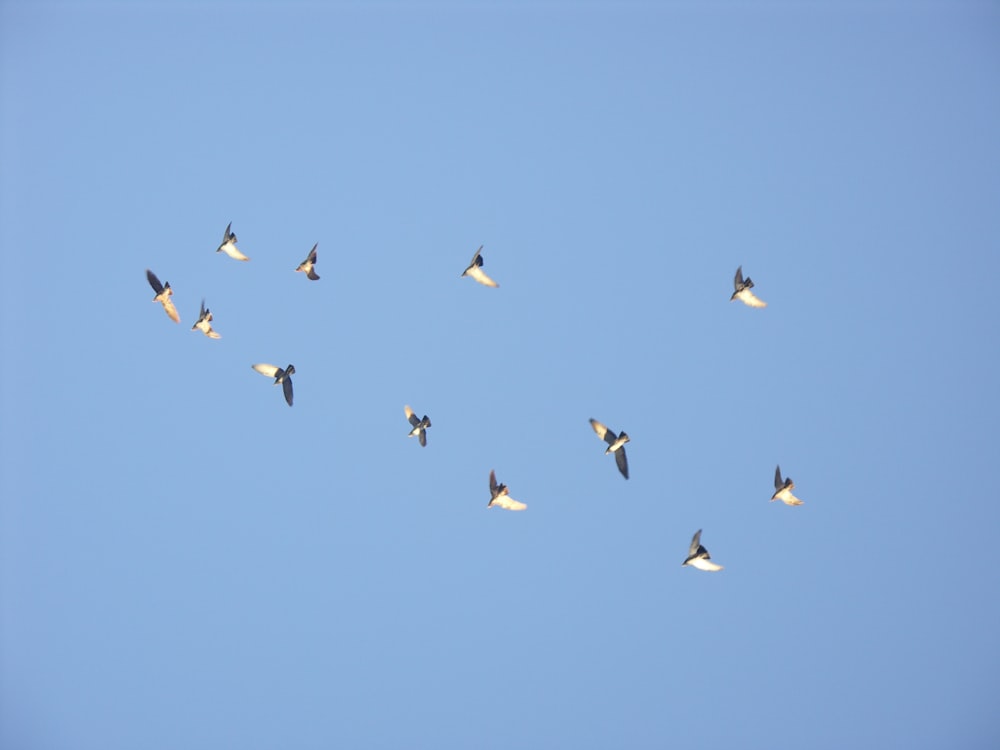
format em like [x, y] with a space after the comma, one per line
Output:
[187, 562]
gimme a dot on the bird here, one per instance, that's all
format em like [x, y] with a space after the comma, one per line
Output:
[499, 496]
[742, 290]
[306, 266]
[280, 376]
[783, 489]
[163, 295]
[616, 445]
[419, 425]
[204, 323]
[475, 270]
[228, 245]
[698, 556]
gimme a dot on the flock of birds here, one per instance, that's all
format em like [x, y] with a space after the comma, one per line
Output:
[697, 557]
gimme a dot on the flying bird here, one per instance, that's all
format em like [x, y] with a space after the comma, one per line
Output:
[742, 291]
[698, 556]
[163, 295]
[475, 270]
[616, 445]
[306, 266]
[783, 489]
[499, 496]
[280, 376]
[228, 245]
[419, 425]
[204, 323]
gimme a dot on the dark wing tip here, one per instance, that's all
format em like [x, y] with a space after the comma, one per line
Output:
[286, 386]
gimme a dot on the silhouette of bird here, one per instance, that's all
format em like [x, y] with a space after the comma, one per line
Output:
[698, 556]
[280, 376]
[499, 496]
[419, 425]
[204, 323]
[616, 445]
[742, 290]
[475, 270]
[163, 295]
[228, 245]
[306, 266]
[783, 489]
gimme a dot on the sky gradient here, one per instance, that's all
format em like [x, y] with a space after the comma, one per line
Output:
[187, 562]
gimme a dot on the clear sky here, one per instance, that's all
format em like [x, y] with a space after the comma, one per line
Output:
[187, 562]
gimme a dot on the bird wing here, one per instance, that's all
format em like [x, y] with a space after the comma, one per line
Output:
[738, 278]
[622, 461]
[493, 482]
[286, 386]
[778, 484]
[233, 252]
[411, 416]
[508, 503]
[227, 234]
[171, 309]
[422, 437]
[267, 370]
[603, 432]
[154, 282]
[695, 543]
[311, 258]
[749, 298]
[475, 258]
[479, 275]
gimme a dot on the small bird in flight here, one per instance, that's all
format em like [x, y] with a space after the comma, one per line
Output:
[306, 266]
[783, 489]
[163, 295]
[475, 270]
[499, 496]
[616, 445]
[228, 245]
[419, 426]
[742, 290]
[204, 323]
[698, 556]
[280, 376]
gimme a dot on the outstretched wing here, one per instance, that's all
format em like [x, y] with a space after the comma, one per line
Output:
[266, 370]
[171, 310]
[695, 543]
[622, 461]
[154, 282]
[508, 503]
[286, 386]
[493, 482]
[778, 484]
[479, 275]
[608, 436]
[738, 278]
[749, 298]
[411, 416]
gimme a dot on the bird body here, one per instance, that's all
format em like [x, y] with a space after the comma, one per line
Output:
[163, 295]
[499, 496]
[475, 270]
[420, 426]
[741, 290]
[698, 556]
[204, 323]
[228, 245]
[307, 266]
[284, 377]
[783, 489]
[616, 444]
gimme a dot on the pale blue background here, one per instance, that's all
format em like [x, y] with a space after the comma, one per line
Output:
[188, 563]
